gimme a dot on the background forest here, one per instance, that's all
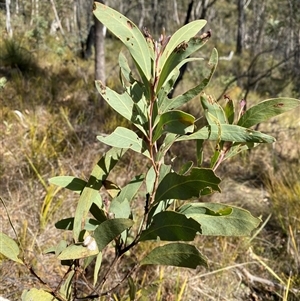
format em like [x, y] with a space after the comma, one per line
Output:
[51, 114]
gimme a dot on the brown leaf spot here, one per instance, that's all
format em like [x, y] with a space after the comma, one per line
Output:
[279, 105]
[129, 24]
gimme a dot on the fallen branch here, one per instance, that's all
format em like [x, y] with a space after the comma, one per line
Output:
[250, 278]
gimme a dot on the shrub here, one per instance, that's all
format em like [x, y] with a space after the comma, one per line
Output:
[173, 214]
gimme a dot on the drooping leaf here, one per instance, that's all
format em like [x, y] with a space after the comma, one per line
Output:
[180, 37]
[123, 104]
[72, 183]
[129, 34]
[176, 58]
[90, 193]
[37, 295]
[77, 252]
[184, 187]
[66, 288]
[176, 254]
[125, 138]
[171, 226]
[180, 100]
[9, 248]
[176, 122]
[109, 230]
[120, 204]
[221, 220]
[88, 196]
[267, 109]
[228, 132]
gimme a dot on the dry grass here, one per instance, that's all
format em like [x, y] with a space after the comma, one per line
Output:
[49, 123]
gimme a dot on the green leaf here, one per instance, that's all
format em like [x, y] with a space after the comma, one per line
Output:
[176, 58]
[90, 193]
[219, 219]
[228, 132]
[184, 98]
[166, 145]
[182, 35]
[66, 288]
[229, 110]
[125, 69]
[37, 295]
[236, 148]
[150, 179]
[68, 224]
[171, 74]
[125, 138]
[186, 168]
[129, 34]
[214, 109]
[123, 104]
[72, 183]
[120, 204]
[167, 87]
[65, 224]
[199, 151]
[171, 226]
[98, 213]
[175, 186]
[176, 254]
[9, 248]
[88, 196]
[109, 230]
[132, 289]
[267, 109]
[176, 122]
[77, 252]
[97, 267]
[57, 249]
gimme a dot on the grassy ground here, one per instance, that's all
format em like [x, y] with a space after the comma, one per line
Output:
[50, 117]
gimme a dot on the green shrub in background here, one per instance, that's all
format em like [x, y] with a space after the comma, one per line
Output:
[173, 212]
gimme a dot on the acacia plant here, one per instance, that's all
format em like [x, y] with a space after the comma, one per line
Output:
[173, 213]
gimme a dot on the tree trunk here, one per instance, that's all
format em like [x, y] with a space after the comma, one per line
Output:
[57, 18]
[176, 18]
[142, 14]
[99, 51]
[241, 27]
[184, 67]
[8, 21]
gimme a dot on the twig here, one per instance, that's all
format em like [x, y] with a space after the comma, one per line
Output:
[252, 278]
